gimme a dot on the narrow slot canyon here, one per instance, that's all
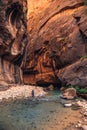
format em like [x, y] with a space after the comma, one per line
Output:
[43, 64]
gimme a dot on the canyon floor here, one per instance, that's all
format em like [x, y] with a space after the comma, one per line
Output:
[43, 112]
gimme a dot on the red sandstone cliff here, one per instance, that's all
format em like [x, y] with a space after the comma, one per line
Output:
[13, 40]
[57, 47]
[58, 38]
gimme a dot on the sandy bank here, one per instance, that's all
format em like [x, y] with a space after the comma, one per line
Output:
[21, 91]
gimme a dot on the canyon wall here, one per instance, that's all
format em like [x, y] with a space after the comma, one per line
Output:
[58, 39]
[57, 48]
[13, 40]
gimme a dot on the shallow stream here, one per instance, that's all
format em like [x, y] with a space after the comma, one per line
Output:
[44, 113]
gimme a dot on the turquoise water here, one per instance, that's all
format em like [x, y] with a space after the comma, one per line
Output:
[35, 114]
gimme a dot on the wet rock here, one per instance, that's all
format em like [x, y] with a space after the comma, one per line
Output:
[65, 102]
[75, 106]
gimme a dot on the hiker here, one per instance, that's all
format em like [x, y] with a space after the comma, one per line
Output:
[32, 93]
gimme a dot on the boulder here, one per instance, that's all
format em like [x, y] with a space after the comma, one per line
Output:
[75, 74]
[75, 106]
[50, 87]
[69, 93]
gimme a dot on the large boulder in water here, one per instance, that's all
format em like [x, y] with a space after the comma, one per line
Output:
[69, 93]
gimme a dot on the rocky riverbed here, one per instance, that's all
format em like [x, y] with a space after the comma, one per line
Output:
[77, 105]
[83, 122]
[56, 113]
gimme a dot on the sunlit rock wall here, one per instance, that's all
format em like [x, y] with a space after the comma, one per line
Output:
[13, 40]
[58, 38]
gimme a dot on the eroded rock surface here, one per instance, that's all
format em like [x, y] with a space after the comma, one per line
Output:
[75, 74]
[58, 38]
[13, 40]
[9, 73]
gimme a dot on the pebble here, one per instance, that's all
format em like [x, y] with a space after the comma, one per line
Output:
[85, 113]
[68, 105]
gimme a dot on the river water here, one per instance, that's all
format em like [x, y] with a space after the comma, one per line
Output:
[44, 113]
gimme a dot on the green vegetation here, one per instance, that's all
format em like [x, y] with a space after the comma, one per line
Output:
[79, 90]
[0, 2]
[83, 57]
[86, 2]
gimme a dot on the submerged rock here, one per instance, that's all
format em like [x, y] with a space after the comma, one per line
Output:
[75, 106]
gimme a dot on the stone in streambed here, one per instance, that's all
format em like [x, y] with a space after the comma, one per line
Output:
[68, 105]
[85, 113]
[50, 87]
[75, 106]
[69, 93]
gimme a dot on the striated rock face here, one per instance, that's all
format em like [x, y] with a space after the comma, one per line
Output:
[75, 74]
[13, 40]
[9, 73]
[58, 38]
